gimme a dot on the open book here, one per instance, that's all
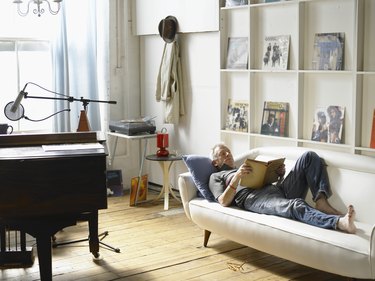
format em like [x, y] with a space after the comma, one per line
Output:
[263, 172]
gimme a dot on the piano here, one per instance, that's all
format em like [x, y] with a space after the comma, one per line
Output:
[47, 181]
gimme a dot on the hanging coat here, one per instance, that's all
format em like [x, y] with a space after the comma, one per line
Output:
[169, 88]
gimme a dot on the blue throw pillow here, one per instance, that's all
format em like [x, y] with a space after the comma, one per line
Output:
[201, 168]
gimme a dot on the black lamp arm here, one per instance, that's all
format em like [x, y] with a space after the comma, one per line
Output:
[68, 98]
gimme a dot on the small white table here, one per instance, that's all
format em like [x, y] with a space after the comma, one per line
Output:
[165, 164]
[144, 137]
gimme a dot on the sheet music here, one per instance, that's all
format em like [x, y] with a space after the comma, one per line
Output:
[75, 146]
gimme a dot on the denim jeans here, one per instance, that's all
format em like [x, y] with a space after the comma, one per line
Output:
[287, 199]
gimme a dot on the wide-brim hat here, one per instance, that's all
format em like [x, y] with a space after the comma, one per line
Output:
[168, 29]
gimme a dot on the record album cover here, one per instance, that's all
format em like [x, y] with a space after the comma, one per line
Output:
[275, 119]
[276, 52]
[328, 51]
[237, 116]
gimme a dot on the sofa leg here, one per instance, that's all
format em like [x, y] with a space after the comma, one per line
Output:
[206, 237]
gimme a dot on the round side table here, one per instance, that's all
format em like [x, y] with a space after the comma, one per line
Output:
[165, 164]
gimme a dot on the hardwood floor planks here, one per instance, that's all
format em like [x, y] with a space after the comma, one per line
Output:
[159, 245]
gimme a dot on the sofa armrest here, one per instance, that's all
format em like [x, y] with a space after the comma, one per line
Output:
[188, 190]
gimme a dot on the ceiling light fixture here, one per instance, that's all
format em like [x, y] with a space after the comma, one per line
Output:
[39, 10]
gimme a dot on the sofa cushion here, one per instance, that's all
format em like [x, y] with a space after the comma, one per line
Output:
[201, 169]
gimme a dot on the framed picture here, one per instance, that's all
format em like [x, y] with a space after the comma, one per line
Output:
[142, 195]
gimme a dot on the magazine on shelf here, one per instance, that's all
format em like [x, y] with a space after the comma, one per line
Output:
[237, 53]
[276, 52]
[237, 116]
[263, 173]
[275, 119]
[328, 51]
[372, 141]
[328, 125]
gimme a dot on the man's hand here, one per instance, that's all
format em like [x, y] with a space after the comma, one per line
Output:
[226, 198]
[244, 169]
[281, 171]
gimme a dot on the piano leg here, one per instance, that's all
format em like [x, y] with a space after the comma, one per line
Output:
[93, 234]
[42, 229]
[44, 246]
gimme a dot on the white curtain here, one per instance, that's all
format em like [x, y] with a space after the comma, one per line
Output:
[81, 62]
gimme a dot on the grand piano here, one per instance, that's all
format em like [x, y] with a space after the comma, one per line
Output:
[47, 181]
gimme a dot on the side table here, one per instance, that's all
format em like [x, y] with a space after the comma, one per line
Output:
[144, 137]
[165, 164]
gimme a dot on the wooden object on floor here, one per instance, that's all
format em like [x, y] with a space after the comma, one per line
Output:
[163, 246]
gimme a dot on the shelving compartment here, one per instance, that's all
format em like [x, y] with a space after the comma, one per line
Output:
[329, 16]
[322, 90]
[273, 20]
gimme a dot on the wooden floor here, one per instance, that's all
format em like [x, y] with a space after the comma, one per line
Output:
[159, 245]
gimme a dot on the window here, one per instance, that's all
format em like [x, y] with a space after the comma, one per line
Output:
[26, 61]
[68, 58]
[26, 56]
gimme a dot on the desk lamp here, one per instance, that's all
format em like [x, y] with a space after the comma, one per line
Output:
[14, 111]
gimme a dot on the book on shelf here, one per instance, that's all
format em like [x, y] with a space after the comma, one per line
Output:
[328, 124]
[372, 141]
[276, 52]
[232, 3]
[275, 119]
[237, 57]
[237, 116]
[263, 173]
[328, 53]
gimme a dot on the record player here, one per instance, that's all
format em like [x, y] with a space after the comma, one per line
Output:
[133, 126]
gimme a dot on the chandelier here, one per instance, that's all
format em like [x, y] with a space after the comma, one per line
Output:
[38, 10]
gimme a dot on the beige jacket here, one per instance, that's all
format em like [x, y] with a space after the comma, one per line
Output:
[169, 88]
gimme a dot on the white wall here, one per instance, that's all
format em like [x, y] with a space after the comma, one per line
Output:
[192, 15]
[199, 129]
[135, 62]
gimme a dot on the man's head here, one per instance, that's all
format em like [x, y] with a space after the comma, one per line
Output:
[221, 155]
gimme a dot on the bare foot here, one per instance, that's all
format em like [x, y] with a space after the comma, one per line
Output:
[346, 223]
[323, 205]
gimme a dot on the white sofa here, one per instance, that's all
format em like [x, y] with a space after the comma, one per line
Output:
[352, 179]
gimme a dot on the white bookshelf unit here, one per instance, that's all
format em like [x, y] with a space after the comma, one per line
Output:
[303, 88]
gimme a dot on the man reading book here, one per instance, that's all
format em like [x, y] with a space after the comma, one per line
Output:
[286, 197]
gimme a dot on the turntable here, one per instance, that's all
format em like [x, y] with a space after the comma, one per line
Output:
[133, 126]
